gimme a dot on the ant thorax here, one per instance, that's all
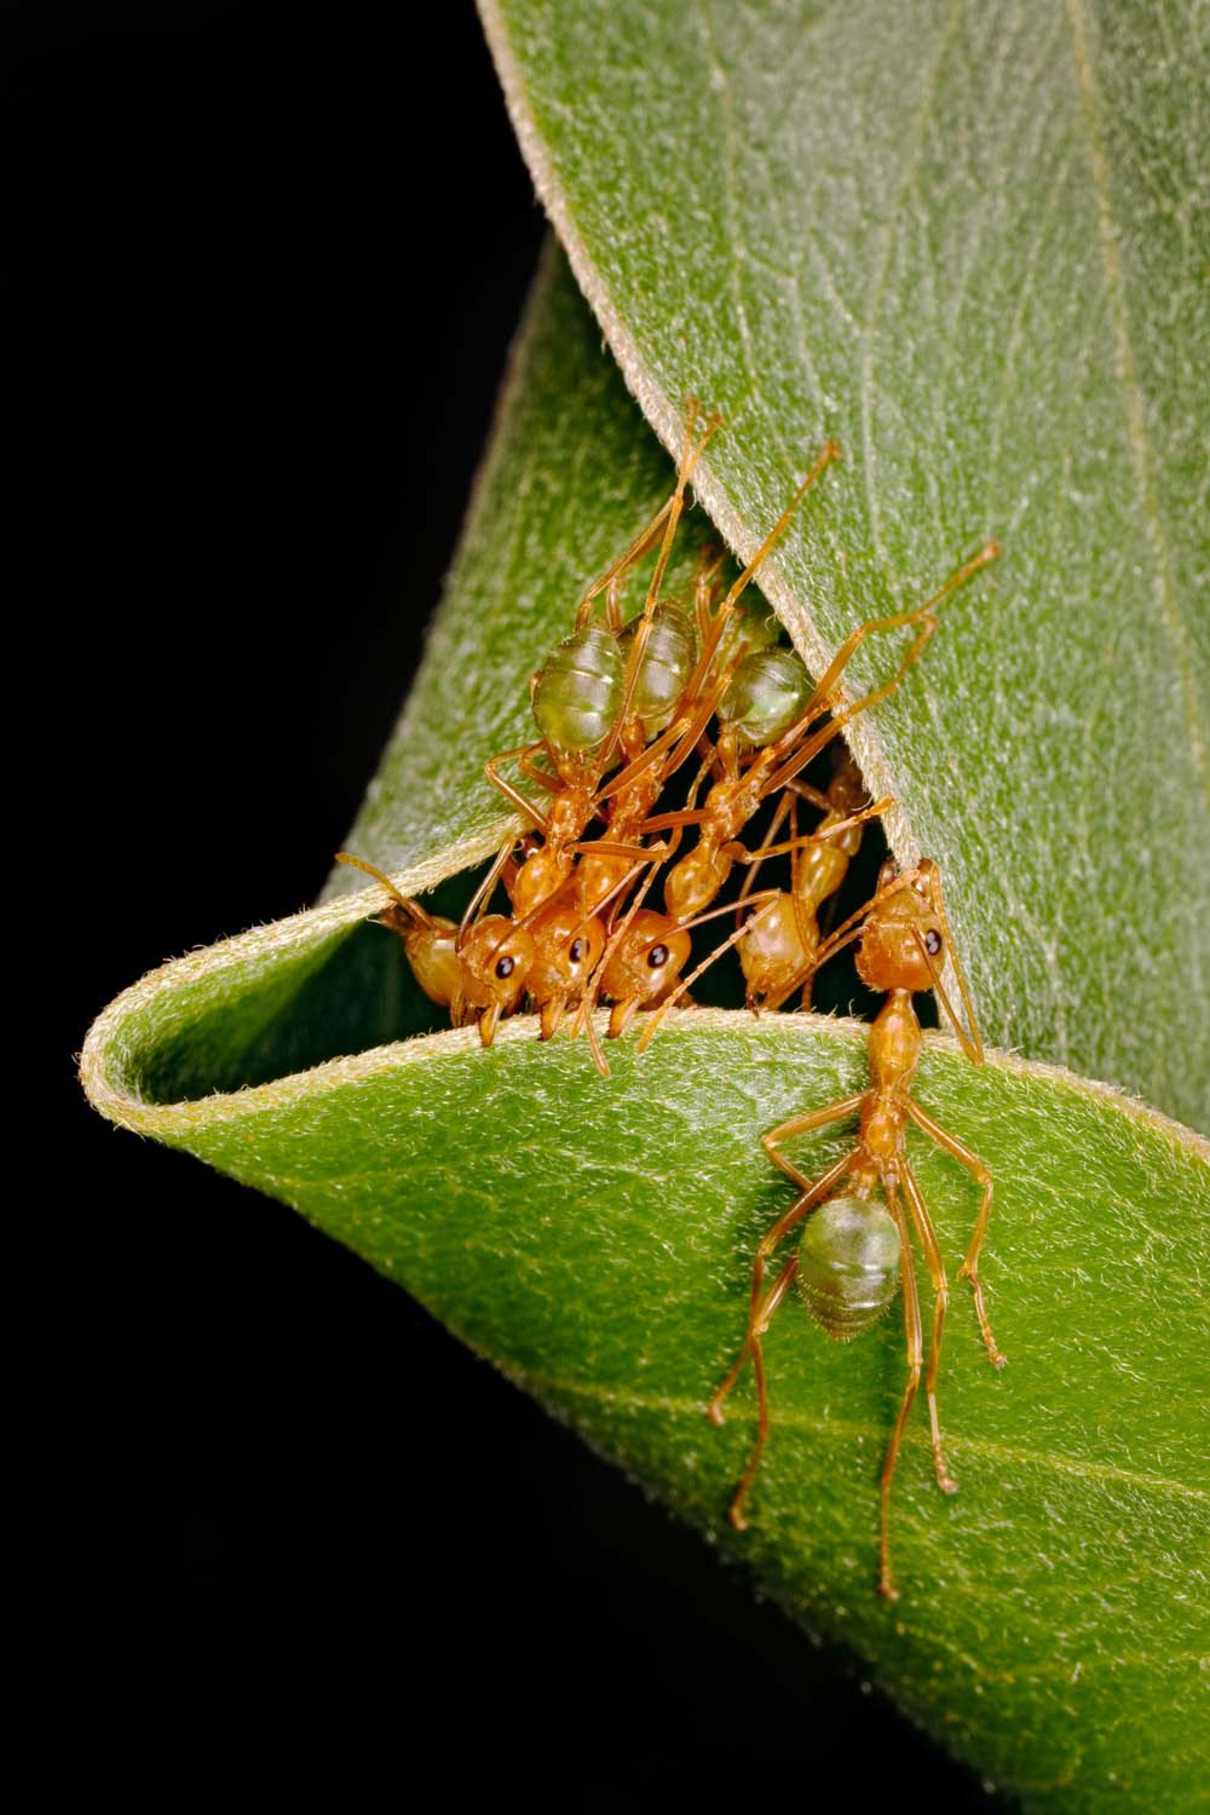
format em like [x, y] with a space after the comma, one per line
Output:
[894, 1045]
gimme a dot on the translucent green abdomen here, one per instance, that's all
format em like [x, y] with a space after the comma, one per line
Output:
[577, 692]
[848, 1265]
[767, 692]
[664, 670]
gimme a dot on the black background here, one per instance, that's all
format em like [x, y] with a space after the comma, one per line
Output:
[268, 266]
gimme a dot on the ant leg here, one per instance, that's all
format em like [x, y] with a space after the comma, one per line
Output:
[932, 1254]
[915, 1354]
[818, 739]
[598, 1057]
[611, 847]
[970, 1266]
[543, 777]
[754, 859]
[827, 453]
[643, 541]
[812, 1195]
[671, 822]
[516, 799]
[638, 548]
[655, 753]
[812, 796]
[840, 661]
[703, 593]
[634, 660]
[801, 1124]
[777, 1292]
[739, 853]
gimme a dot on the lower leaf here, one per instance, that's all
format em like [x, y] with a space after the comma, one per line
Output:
[595, 1239]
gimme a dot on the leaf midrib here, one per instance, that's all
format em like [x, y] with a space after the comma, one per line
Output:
[796, 1419]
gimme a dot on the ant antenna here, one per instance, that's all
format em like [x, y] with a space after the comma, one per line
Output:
[409, 906]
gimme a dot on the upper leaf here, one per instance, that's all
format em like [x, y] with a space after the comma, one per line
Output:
[965, 242]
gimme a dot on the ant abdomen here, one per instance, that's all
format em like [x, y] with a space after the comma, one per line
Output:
[848, 1265]
[766, 695]
[666, 666]
[577, 692]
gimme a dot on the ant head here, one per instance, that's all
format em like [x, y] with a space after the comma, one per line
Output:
[903, 946]
[567, 950]
[649, 959]
[772, 953]
[906, 943]
[497, 958]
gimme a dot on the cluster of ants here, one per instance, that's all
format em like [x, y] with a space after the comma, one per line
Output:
[621, 709]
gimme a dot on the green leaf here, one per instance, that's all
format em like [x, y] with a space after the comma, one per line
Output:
[970, 243]
[594, 1238]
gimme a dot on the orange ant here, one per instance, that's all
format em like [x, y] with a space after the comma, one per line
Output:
[855, 1246]
[484, 976]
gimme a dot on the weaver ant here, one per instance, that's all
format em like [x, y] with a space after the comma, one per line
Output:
[855, 1246]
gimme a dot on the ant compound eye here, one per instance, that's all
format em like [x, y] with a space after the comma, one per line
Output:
[657, 957]
[932, 942]
[505, 968]
[577, 950]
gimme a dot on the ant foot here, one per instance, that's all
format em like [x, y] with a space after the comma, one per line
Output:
[737, 1519]
[888, 1590]
[715, 1413]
